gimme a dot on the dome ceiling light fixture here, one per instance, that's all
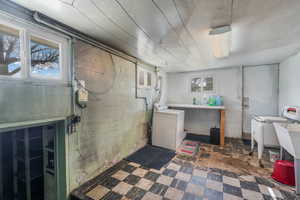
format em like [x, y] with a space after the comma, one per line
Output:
[221, 41]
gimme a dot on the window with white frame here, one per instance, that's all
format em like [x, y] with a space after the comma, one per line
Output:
[44, 58]
[28, 52]
[145, 78]
[149, 79]
[10, 51]
[196, 84]
[208, 84]
[141, 78]
[202, 84]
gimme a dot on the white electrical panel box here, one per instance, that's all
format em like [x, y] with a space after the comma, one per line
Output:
[82, 95]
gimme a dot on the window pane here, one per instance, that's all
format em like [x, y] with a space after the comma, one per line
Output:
[208, 84]
[44, 58]
[10, 64]
[141, 78]
[196, 85]
[149, 78]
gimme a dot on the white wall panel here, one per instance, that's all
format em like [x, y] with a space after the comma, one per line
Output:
[174, 33]
[100, 20]
[260, 93]
[227, 84]
[289, 87]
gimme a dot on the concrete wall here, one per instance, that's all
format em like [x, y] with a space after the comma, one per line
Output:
[289, 87]
[228, 83]
[114, 124]
[26, 101]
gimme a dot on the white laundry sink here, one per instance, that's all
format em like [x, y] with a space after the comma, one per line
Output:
[289, 137]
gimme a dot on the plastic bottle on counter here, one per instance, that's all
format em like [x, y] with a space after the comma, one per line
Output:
[194, 101]
[212, 100]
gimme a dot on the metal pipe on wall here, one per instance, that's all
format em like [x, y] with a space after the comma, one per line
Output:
[93, 43]
[85, 39]
[242, 96]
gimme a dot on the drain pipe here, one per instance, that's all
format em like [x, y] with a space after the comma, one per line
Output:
[83, 38]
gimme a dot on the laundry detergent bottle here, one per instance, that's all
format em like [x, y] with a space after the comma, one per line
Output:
[212, 101]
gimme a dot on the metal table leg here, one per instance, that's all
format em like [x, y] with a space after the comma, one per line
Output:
[252, 138]
[252, 145]
[222, 127]
[260, 145]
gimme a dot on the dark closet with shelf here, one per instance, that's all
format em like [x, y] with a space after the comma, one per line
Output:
[29, 172]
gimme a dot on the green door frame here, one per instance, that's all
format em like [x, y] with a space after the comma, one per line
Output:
[61, 155]
[61, 150]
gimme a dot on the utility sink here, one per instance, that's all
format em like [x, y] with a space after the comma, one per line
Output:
[289, 137]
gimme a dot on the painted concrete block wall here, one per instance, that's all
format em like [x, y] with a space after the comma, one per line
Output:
[289, 86]
[26, 101]
[114, 123]
[227, 83]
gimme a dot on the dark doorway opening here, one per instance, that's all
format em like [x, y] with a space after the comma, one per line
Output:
[28, 163]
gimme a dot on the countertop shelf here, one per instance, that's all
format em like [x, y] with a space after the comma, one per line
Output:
[220, 109]
[196, 106]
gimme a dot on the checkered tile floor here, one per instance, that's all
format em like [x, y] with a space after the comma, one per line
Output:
[179, 180]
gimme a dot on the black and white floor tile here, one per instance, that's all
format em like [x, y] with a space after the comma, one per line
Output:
[179, 180]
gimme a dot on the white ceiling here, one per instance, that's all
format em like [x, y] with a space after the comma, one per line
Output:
[174, 33]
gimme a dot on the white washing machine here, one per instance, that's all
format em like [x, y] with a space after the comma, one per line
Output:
[168, 128]
[263, 132]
